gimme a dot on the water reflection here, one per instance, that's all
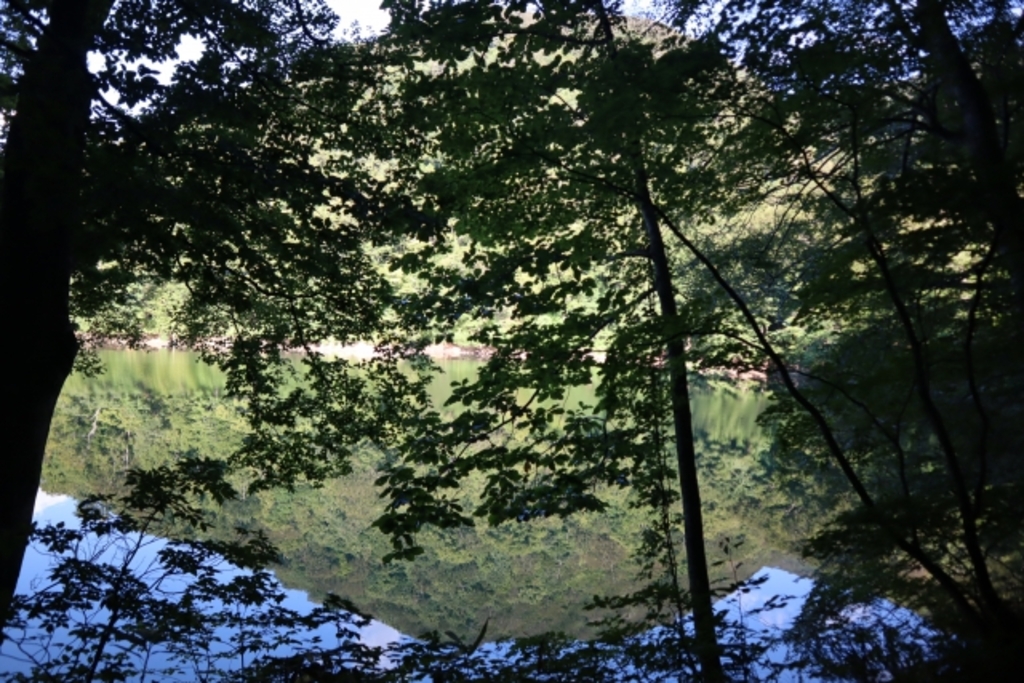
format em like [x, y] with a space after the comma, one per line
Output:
[756, 630]
[150, 409]
[755, 617]
[139, 640]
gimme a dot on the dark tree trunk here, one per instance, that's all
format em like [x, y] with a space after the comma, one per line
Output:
[996, 184]
[1005, 208]
[708, 650]
[40, 212]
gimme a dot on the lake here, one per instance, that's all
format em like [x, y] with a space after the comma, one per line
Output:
[151, 408]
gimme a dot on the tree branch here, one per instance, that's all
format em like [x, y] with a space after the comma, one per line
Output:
[972, 320]
[912, 549]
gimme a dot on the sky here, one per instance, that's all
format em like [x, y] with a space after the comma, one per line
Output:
[367, 13]
[371, 18]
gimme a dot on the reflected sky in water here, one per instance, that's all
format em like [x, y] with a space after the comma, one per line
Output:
[60, 509]
[765, 607]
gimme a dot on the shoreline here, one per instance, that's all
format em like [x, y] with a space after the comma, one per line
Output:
[356, 351]
[444, 351]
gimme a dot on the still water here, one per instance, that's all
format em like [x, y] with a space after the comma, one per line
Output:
[762, 610]
[149, 408]
[519, 579]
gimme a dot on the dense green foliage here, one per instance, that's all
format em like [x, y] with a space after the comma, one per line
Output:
[827, 193]
[825, 219]
[877, 135]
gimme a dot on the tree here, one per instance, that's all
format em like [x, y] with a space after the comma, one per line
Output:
[815, 209]
[44, 150]
[873, 144]
[217, 180]
[548, 132]
[860, 137]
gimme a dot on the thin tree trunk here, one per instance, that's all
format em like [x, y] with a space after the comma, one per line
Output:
[39, 214]
[708, 650]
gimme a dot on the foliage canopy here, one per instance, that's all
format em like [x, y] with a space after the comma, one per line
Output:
[826, 192]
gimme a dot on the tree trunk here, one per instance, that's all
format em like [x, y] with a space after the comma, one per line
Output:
[999, 196]
[40, 212]
[708, 650]
[995, 180]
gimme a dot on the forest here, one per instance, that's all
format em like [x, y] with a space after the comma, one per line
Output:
[804, 207]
